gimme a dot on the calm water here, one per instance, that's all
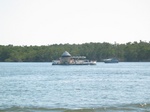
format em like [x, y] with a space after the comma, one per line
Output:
[41, 87]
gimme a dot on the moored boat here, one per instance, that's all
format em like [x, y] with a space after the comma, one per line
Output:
[67, 59]
[111, 60]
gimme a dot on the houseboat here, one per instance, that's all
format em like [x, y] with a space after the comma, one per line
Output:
[67, 59]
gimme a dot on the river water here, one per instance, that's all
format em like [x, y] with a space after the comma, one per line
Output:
[42, 87]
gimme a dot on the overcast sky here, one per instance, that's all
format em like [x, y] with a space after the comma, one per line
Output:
[46, 22]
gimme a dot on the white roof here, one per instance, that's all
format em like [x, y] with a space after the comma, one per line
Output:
[65, 54]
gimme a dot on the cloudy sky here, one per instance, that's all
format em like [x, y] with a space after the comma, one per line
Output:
[46, 22]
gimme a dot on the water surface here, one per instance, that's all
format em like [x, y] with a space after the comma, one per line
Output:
[41, 87]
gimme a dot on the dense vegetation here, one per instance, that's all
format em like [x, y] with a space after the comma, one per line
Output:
[130, 52]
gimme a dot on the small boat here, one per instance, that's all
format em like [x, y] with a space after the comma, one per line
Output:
[111, 60]
[67, 59]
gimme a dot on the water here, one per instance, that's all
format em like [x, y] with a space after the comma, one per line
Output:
[41, 87]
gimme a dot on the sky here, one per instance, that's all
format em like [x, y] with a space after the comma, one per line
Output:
[46, 22]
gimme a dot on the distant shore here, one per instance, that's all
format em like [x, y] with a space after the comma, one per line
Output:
[129, 52]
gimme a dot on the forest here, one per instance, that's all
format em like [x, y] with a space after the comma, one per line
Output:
[128, 52]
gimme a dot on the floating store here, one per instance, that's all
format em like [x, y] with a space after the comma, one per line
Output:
[67, 59]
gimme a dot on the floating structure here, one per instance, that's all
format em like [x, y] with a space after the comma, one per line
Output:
[111, 60]
[67, 59]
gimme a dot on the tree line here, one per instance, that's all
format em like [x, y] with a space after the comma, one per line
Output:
[128, 52]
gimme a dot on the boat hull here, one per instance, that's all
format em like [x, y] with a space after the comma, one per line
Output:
[87, 63]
